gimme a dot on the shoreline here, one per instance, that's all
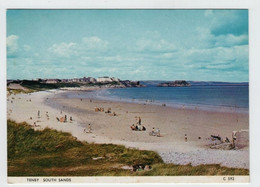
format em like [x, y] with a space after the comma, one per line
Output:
[175, 105]
[116, 129]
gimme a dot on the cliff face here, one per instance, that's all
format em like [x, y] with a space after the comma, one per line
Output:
[177, 83]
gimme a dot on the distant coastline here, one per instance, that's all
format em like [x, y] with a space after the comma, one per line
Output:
[105, 82]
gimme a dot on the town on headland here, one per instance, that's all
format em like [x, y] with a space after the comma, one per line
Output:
[81, 83]
[74, 83]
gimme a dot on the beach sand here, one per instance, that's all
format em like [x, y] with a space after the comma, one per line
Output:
[174, 123]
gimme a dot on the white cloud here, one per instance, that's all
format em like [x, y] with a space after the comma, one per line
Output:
[94, 43]
[64, 49]
[87, 45]
[231, 40]
[155, 45]
[219, 58]
[26, 47]
[205, 39]
[12, 45]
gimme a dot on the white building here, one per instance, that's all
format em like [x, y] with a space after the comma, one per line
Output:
[104, 79]
[52, 81]
[107, 79]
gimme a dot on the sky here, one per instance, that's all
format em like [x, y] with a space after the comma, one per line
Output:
[197, 45]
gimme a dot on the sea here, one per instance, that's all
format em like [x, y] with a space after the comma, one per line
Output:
[222, 98]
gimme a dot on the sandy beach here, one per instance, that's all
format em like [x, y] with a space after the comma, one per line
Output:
[174, 123]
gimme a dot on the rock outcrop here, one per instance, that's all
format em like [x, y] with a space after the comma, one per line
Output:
[177, 83]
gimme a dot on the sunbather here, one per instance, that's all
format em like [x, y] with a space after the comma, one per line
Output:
[158, 132]
[152, 133]
[216, 137]
[133, 127]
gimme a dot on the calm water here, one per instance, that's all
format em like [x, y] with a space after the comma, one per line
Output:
[231, 98]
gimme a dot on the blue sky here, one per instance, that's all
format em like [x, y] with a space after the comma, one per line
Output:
[202, 45]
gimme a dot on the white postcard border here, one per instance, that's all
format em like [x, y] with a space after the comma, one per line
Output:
[254, 64]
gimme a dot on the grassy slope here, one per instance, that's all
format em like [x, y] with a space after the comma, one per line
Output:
[53, 153]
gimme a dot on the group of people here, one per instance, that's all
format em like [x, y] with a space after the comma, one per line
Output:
[138, 126]
[99, 109]
[88, 130]
[35, 125]
[156, 132]
[64, 119]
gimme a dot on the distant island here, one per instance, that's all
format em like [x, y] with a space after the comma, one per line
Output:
[177, 83]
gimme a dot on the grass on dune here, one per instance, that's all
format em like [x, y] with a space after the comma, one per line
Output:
[54, 153]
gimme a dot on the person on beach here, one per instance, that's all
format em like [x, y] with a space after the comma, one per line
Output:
[65, 118]
[139, 127]
[35, 125]
[185, 137]
[89, 128]
[38, 113]
[108, 110]
[158, 132]
[227, 140]
[71, 118]
[139, 120]
[133, 127]
[153, 132]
